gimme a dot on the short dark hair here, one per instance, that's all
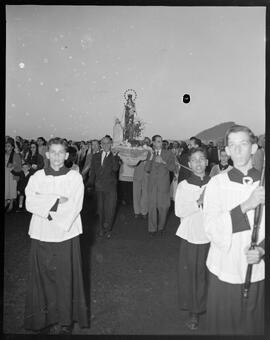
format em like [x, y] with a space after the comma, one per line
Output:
[155, 136]
[10, 141]
[240, 128]
[58, 140]
[43, 140]
[196, 140]
[199, 149]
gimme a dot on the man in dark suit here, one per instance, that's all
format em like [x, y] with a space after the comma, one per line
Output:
[158, 164]
[103, 177]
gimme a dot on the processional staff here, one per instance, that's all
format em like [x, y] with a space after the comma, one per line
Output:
[254, 236]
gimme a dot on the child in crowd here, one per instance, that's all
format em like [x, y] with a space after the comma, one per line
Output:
[223, 164]
[194, 243]
[229, 204]
[55, 296]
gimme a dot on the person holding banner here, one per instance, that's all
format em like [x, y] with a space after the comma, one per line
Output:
[229, 203]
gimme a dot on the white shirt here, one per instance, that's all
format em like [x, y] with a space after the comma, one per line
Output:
[226, 258]
[103, 156]
[186, 207]
[41, 193]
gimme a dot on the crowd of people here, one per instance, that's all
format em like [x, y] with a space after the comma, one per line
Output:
[213, 189]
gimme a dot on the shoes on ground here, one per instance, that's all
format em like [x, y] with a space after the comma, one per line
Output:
[10, 208]
[109, 234]
[100, 233]
[193, 322]
[137, 215]
[65, 330]
[144, 217]
[152, 233]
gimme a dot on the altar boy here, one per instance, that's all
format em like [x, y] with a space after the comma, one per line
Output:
[194, 244]
[229, 204]
[55, 294]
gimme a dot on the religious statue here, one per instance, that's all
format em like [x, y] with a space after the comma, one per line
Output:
[117, 132]
[130, 112]
[129, 130]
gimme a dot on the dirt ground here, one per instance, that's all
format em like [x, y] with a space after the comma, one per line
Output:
[131, 279]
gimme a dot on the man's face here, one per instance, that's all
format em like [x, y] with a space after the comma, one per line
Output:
[39, 142]
[157, 143]
[106, 144]
[95, 146]
[175, 145]
[193, 144]
[198, 163]
[8, 147]
[240, 148]
[57, 155]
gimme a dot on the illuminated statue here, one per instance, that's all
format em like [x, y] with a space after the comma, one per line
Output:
[130, 112]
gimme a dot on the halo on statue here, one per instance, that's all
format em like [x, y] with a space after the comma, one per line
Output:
[131, 92]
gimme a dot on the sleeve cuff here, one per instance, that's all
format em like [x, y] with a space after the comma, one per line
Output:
[239, 220]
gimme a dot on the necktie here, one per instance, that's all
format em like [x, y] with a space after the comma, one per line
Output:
[106, 154]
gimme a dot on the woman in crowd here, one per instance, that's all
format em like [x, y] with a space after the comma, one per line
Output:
[42, 148]
[34, 158]
[82, 154]
[87, 163]
[12, 163]
[70, 163]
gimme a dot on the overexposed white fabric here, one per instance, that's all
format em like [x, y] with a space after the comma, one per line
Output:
[186, 207]
[226, 258]
[42, 192]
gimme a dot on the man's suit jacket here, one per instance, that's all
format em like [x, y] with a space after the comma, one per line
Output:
[104, 177]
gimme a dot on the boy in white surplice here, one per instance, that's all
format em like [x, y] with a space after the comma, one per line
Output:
[229, 204]
[55, 296]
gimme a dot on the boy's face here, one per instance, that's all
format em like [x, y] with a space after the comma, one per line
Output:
[240, 148]
[57, 155]
[223, 157]
[198, 163]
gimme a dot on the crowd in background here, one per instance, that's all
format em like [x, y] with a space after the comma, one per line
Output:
[23, 157]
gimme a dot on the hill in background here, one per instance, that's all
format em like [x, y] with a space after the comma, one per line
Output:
[215, 133]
